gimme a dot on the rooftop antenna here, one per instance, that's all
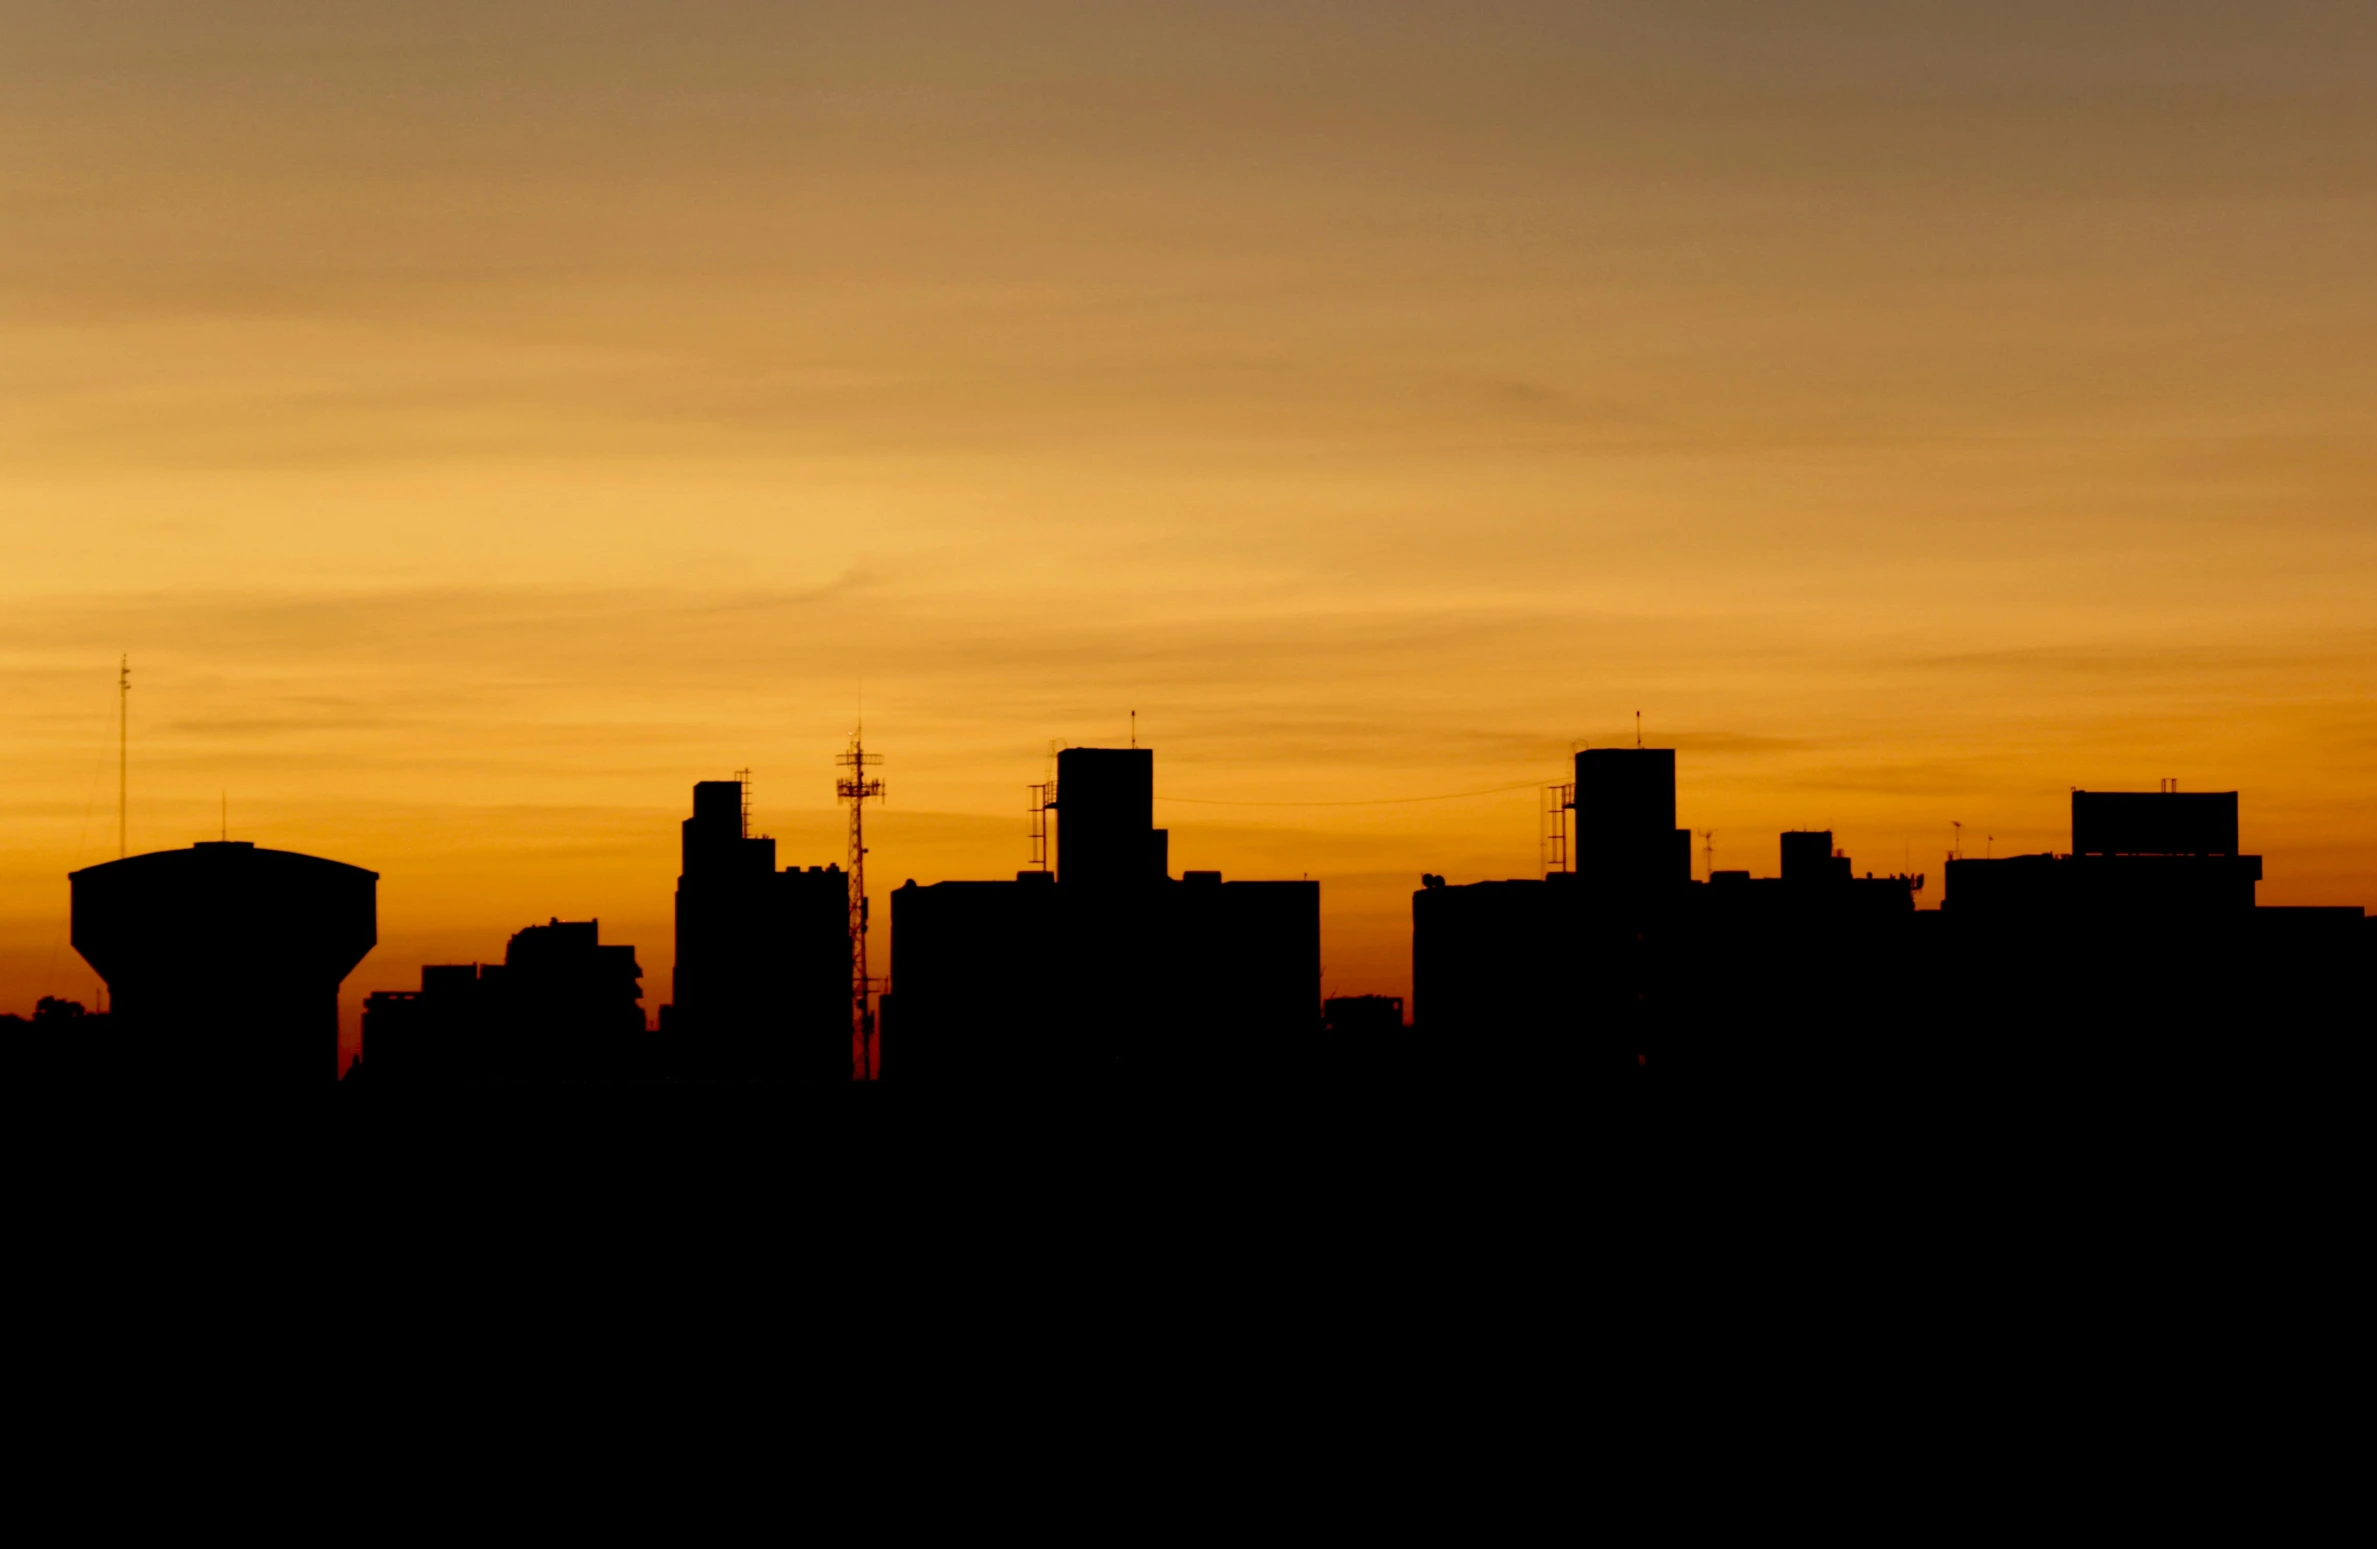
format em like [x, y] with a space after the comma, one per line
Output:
[743, 779]
[1638, 728]
[1134, 728]
[1038, 799]
[123, 751]
[1552, 832]
[1708, 852]
[1957, 853]
[1041, 800]
[856, 789]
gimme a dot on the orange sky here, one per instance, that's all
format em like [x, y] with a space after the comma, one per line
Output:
[480, 422]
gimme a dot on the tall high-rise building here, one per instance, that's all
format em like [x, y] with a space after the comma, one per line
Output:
[762, 982]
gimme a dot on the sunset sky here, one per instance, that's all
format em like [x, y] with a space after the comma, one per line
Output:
[480, 421]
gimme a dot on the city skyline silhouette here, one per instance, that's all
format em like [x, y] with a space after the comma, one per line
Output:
[477, 425]
[1097, 966]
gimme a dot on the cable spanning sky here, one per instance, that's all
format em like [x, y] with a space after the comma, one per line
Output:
[479, 422]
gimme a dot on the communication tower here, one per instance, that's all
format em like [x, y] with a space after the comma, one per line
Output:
[857, 789]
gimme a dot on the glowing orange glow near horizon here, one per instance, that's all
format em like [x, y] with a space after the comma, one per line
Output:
[478, 423]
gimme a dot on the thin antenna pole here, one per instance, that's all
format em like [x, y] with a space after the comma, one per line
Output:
[1638, 728]
[1134, 728]
[123, 754]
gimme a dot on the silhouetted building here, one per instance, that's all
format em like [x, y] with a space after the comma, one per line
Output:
[2142, 949]
[2149, 929]
[1108, 968]
[569, 1001]
[223, 961]
[1495, 976]
[1362, 1042]
[762, 984]
[1363, 1018]
[2154, 823]
[1537, 974]
[2162, 856]
[61, 1041]
[1595, 966]
[1106, 833]
[1809, 860]
[1788, 967]
[560, 1007]
[431, 1036]
[1622, 836]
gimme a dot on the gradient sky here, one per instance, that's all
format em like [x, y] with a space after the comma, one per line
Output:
[479, 422]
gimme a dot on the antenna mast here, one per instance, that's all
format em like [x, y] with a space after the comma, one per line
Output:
[1552, 836]
[856, 789]
[123, 752]
[1043, 797]
[1042, 802]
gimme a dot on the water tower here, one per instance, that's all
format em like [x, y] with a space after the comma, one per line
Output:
[223, 961]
